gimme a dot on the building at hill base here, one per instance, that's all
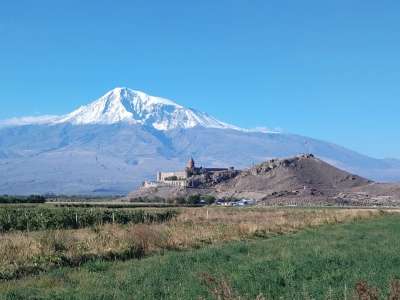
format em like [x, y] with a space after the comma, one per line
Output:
[190, 177]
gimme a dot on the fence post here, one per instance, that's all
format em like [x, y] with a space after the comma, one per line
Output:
[27, 222]
[76, 219]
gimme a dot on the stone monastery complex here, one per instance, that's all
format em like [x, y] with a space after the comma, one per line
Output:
[182, 178]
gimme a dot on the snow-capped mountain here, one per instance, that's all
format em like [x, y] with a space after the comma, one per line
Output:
[134, 107]
[114, 143]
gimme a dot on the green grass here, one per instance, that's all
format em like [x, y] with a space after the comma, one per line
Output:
[322, 263]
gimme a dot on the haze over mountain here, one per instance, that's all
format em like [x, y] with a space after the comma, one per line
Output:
[112, 144]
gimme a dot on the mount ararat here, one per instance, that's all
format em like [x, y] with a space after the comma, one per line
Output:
[114, 143]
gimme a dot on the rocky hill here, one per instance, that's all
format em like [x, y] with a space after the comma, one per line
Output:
[300, 175]
[303, 179]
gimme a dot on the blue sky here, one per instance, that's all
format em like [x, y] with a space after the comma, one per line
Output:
[326, 69]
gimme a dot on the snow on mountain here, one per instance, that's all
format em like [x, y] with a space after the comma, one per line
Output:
[120, 149]
[134, 107]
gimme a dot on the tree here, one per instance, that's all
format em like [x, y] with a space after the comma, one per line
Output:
[209, 199]
[180, 200]
[194, 199]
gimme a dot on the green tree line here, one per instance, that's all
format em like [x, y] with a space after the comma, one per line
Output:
[6, 199]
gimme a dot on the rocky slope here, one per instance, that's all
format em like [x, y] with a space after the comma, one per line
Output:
[299, 180]
[303, 174]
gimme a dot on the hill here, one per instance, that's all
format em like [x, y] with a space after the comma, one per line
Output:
[299, 180]
[301, 175]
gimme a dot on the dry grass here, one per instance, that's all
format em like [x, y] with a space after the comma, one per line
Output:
[23, 253]
[366, 292]
[219, 288]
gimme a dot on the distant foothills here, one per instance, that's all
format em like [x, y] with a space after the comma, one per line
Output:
[114, 144]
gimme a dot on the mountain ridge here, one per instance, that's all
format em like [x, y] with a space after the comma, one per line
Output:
[122, 104]
[45, 155]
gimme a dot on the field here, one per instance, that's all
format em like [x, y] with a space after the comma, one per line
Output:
[229, 254]
[43, 217]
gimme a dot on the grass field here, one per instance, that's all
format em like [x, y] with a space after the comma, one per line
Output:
[242, 254]
[29, 252]
[319, 263]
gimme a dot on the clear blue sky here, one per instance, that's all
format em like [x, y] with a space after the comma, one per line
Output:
[326, 69]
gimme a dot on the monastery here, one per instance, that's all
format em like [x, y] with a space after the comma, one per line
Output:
[181, 178]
